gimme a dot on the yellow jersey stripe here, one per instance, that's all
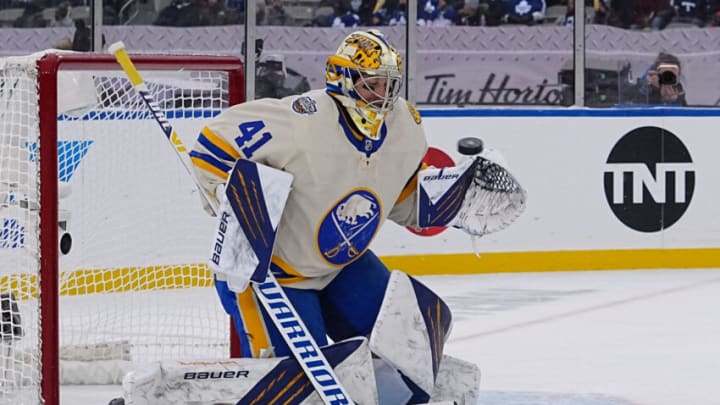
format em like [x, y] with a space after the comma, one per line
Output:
[220, 143]
[254, 323]
[209, 168]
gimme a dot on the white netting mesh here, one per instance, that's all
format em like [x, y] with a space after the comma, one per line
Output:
[19, 258]
[133, 235]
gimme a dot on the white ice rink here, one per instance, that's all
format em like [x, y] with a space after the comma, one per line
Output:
[576, 338]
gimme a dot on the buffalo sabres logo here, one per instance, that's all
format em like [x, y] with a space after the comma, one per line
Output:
[304, 105]
[367, 51]
[348, 228]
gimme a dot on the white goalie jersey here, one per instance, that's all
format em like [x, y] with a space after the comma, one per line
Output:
[345, 185]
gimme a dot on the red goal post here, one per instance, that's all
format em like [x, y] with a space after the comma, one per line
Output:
[103, 237]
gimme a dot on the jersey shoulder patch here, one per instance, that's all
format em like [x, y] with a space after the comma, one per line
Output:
[304, 105]
[414, 112]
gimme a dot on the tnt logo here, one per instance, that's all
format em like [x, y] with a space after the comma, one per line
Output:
[649, 179]
[12, 234]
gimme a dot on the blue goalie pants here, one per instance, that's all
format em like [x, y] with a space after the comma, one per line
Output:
[345, 308]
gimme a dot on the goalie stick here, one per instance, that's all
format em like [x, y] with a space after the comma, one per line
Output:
[305, 350]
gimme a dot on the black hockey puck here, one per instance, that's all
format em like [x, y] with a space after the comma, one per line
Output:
[470, 146]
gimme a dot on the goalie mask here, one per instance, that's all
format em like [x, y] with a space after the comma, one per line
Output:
[365, 76]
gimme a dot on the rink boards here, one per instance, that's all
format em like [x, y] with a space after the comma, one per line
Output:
[607, 189]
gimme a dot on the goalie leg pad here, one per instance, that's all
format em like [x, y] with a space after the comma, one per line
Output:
[246, 381]
[410, 332]
[458, 381]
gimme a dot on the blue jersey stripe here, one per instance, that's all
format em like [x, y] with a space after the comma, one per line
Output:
[210, 160]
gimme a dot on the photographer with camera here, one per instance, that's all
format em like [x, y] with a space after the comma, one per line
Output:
[273, 79]
[660, 85]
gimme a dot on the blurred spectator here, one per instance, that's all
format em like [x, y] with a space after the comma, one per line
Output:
[602, 12]
[690, 11]
[183, 13]
[597, 17]
[481, 12]
[714, 13]
[111, 12]
[618, 13]
[527, 12]
[651, 14]
[275, 13]
[378, 18]
[714, 6]
[396, 12]
[569, 19]
[324, 20]
[260, 13]
[346, 14]
[64, 44]
[437, 13]
[469, 14]
[239, 5]
[81, 40]
[661, 83]
[238, 8]
[216, 13]
[715, 19]
[62, 16]
[492, 12]
[31, 17]
[368, 11]
[634, 14]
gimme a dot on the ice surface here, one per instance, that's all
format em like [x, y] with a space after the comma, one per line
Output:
[642, 337]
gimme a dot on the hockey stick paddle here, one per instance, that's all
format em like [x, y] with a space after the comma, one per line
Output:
[271, 295]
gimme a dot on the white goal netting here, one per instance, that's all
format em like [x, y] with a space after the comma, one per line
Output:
[132, 235]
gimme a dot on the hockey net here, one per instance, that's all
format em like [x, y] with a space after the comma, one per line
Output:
[103, 238]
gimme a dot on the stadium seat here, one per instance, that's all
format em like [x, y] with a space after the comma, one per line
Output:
[48, 14]
[589, 14]
[9, 15]
[680, 24]
[80, 12]
[554, 15]
[323, 11]
[299, 15]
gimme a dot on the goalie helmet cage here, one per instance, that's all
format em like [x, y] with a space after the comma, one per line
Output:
[102, 239]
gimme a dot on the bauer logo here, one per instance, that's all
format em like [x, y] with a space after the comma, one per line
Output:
[216, 374]
[649, 179]
[436, 158]
[220, 238]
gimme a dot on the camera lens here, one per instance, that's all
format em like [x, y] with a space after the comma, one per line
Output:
[668, 77]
